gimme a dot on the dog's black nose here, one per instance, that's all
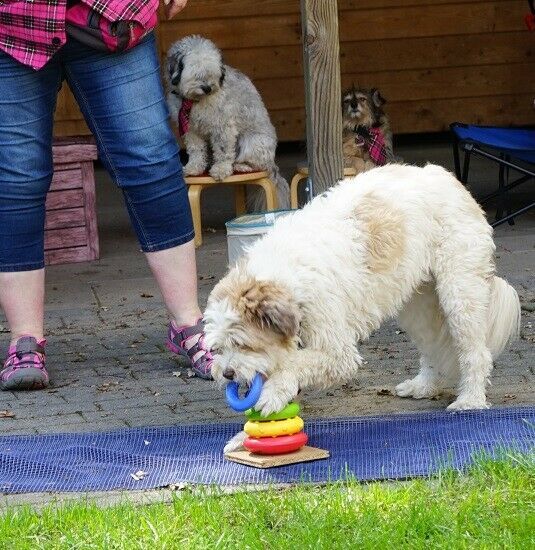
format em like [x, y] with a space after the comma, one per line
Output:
[229, 374]
[175, 81]
[354, 104]
[206, 89]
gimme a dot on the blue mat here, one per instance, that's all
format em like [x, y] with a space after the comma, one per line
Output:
[386, 447]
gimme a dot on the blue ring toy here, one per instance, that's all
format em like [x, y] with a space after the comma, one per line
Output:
[250, 398]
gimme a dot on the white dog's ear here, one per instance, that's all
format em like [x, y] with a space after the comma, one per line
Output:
[271, 306]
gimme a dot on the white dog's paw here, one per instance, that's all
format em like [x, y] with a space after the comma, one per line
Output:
[469, 402]
[236, 443]
[194, 169]
[417, 389]
[276, 394]
[221, 170]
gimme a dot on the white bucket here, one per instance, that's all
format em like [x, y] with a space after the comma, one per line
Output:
[242, 232]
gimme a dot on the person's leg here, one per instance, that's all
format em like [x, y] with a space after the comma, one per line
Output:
[27, 100]
[123, 102]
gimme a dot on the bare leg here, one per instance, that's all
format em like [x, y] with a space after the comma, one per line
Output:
[22, 299]
[175, 271]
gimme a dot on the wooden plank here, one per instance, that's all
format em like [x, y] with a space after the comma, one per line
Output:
[68, 255]
[391, 55]
[305, 454]
[434, 20]
[445, 82]
[237, 32]
[433, 116]
[322, 93]
[68, 217]
[74, 151]
[71, 127]
[66, 179]
[90, 210]
[71, 198]
[65, 238]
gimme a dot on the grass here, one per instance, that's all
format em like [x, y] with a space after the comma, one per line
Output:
[491, 506]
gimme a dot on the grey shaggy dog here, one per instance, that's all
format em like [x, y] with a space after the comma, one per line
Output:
[229, 126]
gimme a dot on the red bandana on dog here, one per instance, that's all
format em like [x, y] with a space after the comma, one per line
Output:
[183, 116]
[374, 141]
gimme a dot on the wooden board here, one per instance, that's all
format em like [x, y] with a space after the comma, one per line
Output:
[305, 454]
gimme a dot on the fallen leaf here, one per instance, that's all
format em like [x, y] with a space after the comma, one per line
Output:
[384, 392]
[7, 414]
[206, 277]
[509, 396]
[146, 295]
[107, 386]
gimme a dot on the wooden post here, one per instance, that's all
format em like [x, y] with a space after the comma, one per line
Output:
[323, 93]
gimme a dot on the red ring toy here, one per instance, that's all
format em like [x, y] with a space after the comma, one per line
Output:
[276, 445]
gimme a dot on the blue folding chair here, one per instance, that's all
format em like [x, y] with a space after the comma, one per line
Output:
[511, 148]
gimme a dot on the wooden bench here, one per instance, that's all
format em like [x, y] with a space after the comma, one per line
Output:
[71, 223]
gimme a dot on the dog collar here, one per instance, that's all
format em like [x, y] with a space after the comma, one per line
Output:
[373, 140]
[183, 116]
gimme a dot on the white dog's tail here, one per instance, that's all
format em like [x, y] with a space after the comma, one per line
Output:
[504, 316]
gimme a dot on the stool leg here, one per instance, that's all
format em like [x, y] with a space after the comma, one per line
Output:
[271, 193]
[194, 195]
[294, 189]
[239, 199]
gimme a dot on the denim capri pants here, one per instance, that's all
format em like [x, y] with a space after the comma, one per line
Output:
[122, 99]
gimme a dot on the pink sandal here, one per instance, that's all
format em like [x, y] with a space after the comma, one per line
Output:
[24, 368]
[189, 342]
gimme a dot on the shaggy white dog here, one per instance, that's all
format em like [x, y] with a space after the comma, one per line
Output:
[229, 126]
[395, 241]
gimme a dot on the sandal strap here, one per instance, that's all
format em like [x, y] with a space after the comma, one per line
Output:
[187, 332]
[28, 344]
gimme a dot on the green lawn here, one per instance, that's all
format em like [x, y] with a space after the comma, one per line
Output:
[493, 506]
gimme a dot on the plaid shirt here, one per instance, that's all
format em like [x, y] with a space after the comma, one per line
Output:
[32, 31]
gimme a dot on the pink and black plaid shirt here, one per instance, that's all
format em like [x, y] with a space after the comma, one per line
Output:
[32, 31]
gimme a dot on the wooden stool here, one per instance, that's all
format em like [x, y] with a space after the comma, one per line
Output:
[196, 184]
[302, 174]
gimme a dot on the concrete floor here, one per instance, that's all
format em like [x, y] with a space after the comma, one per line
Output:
[106, 326]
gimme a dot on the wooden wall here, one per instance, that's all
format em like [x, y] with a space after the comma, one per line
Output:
[436, 61]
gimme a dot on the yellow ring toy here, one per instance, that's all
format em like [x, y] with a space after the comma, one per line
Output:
[274, 428]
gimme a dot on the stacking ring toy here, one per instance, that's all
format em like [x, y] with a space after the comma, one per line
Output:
[291, 410]
[275, 428]
[276, 445]
[249, 399]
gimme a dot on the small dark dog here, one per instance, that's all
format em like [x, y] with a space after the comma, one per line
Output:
[367, 138]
